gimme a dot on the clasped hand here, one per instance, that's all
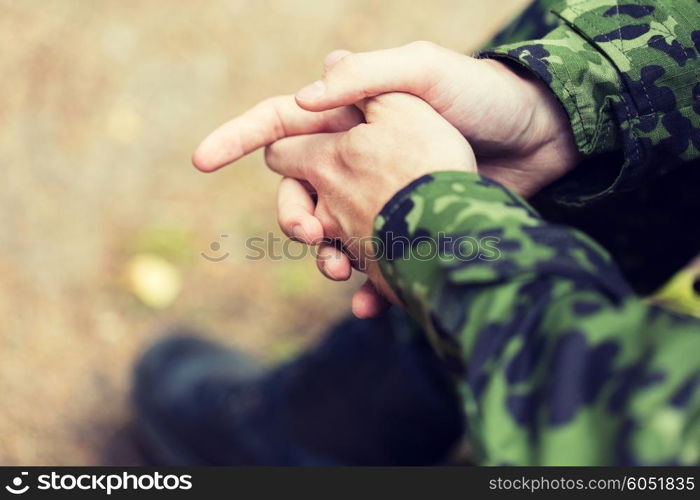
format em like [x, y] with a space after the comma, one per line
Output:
[376, 122]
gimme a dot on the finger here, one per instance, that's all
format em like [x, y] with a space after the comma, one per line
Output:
[301, 156]
[263, 124]
[367, 302]
[333, 263]
[398, 107]
[353, 77]
[295, 209]
[334, 57]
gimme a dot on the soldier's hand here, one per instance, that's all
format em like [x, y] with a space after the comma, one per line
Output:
[353, 172]
[268, 121]
[519, 131]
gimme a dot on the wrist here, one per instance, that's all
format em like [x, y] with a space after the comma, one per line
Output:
[556, 133]
[545, 144]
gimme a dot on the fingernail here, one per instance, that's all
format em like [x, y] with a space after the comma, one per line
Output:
[312, 92]
[327, 270]
[332, 271]
[298, 233]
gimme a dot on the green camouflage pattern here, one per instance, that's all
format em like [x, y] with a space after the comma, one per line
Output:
[558, 361]
[628, 75]
[645, 228]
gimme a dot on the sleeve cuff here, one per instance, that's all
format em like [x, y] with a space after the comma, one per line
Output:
[627, 77]
[437, 225]
[580, 77]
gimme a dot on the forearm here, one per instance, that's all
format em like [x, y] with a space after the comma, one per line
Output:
[561, 363]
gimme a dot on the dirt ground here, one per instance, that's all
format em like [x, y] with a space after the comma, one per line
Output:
[101, 105]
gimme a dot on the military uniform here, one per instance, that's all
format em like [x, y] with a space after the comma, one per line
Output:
[558, 358]
[554, 357]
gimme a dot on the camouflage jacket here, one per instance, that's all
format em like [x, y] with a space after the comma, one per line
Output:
[559, 360]
[627, 74]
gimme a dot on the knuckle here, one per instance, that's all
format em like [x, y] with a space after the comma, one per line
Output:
[351, 147]
[383, 101]
[274, 108]
[321, 262]
[423, 46]
[346, 65]
[331, 227]
[433, 58]
[286, 225]
[270, 155]
[286, 218]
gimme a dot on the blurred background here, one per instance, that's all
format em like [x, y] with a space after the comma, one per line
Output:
[104, 221]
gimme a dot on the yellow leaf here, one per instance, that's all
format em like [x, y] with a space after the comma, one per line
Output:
[153, 280]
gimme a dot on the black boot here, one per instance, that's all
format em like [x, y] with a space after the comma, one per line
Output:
[370, 394]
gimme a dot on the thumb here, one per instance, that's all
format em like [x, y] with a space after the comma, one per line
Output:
[352, 77]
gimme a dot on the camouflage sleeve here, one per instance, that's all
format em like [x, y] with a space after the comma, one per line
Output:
[628, 75]
[559, 362]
